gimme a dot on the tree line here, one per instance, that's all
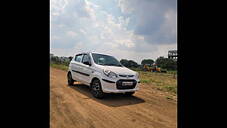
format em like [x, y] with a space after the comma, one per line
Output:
[162, 62]
[61, 60]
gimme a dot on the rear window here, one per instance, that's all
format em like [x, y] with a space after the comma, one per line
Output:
[78, 58]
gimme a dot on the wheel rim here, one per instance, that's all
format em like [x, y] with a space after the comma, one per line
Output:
[95, 88]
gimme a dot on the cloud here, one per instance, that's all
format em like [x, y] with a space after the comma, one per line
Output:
[131, 29]
[155, 19]
[83, 32]
[57, 6]
[71, 34]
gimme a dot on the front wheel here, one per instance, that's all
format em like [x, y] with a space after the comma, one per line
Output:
[96, 89]
[70, 80]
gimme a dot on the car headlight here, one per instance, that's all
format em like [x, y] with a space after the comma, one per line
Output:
[110, 73]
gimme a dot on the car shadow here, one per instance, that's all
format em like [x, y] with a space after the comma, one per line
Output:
[112, 100]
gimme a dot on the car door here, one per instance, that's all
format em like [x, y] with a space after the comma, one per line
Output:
[76, 68]
[86, 69]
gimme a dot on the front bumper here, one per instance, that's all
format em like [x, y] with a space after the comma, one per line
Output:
[109, 86]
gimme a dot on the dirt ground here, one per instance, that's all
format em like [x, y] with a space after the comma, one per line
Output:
[74, 107]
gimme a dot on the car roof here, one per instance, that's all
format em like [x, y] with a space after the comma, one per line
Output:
[91, 52]
[81, 53]
[101, 53]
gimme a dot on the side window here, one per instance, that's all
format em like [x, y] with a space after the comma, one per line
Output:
[78, 58]
[86, 58]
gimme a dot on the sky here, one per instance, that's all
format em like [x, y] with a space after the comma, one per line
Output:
[127, 29]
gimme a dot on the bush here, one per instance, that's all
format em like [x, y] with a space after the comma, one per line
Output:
[147, 61]
[166, 63]
[59, 66]
[60, 60]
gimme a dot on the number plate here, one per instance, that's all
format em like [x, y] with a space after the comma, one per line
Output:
[127, 83]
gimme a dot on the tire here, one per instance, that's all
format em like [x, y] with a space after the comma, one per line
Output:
[96, 89]
[70, 80]
[129, 93]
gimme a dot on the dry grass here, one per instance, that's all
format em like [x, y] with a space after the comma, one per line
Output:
[59, 66]
[161, 81]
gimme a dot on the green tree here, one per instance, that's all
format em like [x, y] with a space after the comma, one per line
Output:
[129, 63]
[166, 63]
[147, 61]
[133, 64]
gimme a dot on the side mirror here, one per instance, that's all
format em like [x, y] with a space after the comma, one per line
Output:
[87, 63]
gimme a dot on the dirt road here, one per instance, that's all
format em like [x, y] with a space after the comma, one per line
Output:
[74, 107]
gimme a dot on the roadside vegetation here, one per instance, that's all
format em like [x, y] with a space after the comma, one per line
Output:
[161, 81]
[59, 66]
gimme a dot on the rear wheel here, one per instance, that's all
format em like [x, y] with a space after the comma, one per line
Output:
[129, 93]
[96, 89]
[70, 80]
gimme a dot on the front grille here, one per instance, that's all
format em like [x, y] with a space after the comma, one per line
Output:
[119, 84]
[126, 75]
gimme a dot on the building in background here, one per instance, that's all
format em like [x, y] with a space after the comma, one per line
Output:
[172, 54]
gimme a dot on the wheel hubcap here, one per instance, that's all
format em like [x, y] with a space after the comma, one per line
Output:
[95, 88]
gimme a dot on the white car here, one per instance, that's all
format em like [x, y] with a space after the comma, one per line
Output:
[103, 73]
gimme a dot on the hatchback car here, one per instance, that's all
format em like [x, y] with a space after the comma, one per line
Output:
[103, 74]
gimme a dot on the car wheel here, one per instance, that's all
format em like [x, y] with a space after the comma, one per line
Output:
[96, 89]
[70, 80]
[129, 93]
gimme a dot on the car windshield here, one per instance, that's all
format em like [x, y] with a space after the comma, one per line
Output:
[105, 60]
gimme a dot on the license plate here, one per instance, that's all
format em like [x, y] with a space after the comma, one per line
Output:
[127, 83]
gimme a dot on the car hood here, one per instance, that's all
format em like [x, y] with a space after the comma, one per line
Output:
[118, 70]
